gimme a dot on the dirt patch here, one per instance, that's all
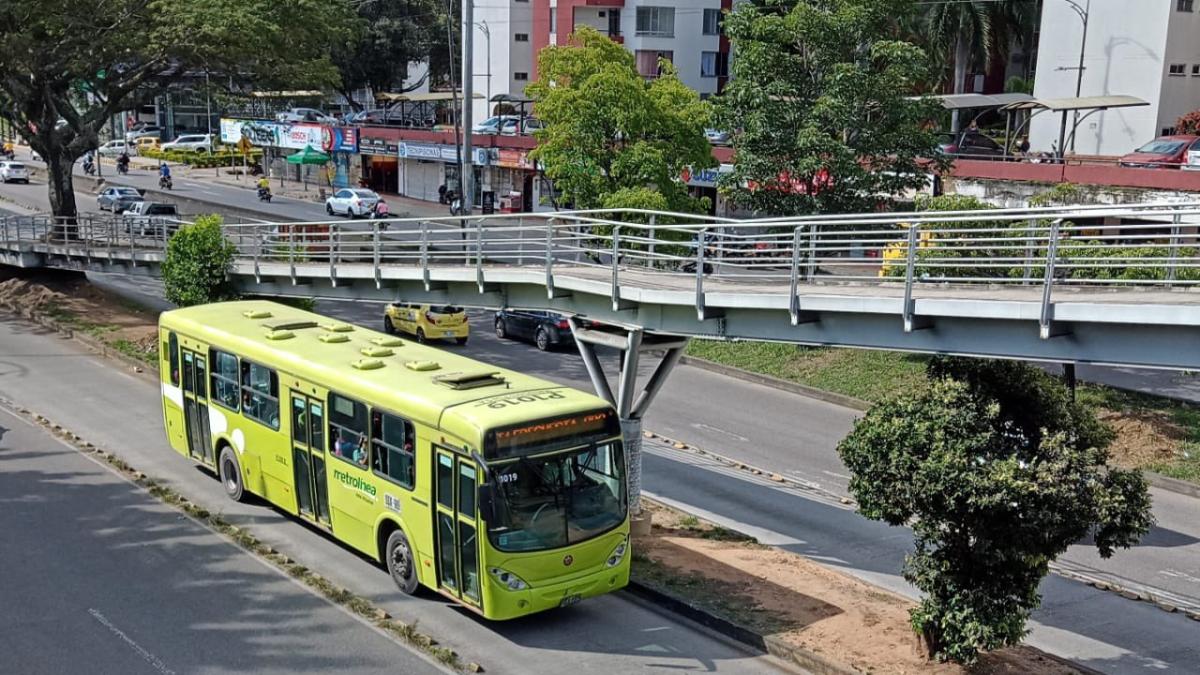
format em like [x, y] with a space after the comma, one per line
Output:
[800, 602]
[74, 303]
[1144, 437]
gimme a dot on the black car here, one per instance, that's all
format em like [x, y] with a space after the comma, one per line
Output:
[971, 145]
[545, 329]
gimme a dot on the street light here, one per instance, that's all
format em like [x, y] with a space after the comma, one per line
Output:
[487, 34]
[1083, 13]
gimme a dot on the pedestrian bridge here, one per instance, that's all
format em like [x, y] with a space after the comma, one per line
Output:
[1097, 284]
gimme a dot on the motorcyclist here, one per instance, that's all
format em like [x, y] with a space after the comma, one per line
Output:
[8, 150]
[89, 164]
[123, 163]
[164, 175]
[264, 188]
[380, 209]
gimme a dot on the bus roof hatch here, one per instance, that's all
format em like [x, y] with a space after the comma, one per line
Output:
[470, 380]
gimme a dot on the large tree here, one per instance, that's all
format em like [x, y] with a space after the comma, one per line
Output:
[68, 66]
[997, 471]
[612, 138]
[821, 106]
[388, 35]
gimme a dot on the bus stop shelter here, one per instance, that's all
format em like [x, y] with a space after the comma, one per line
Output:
[1063, 106]
[986, 103]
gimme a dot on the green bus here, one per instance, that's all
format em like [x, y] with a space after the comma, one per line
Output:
[502, 491]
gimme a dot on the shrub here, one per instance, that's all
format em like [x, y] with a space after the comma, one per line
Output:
[196, 269]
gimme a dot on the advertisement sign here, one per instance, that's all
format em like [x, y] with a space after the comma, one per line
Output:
[345, 139]
[297, 136]
[432, 153]
[513, 159]
[257, 132]
[371, 145]
[705, 177]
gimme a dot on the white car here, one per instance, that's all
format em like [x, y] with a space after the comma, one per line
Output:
[492, 124]
[350, 202]
[14, 171]
[195, 142]
[305, 115]
[520, 127]
[143, 132]
[115, 148]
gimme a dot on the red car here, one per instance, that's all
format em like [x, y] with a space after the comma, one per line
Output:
[1164, 152]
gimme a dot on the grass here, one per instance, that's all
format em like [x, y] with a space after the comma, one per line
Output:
[69, 319]
[877, 375]
[864, 374]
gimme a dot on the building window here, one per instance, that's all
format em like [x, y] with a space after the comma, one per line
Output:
[521, 76]
[1184, 5]
[656, 21]
[712, 22]
[714, 64]
[1176, 69]
[1167, 131]
[521, 37]
[648, 61]
[1196, 70]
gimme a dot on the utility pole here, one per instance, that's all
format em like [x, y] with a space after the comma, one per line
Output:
[487, 33]
[1084, 13]
[466, 169]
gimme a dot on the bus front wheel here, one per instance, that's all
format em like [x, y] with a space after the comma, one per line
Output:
[231, 475]
[400, 562]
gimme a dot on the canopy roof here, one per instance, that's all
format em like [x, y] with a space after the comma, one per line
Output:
[308, 155]
[1078, 103]
[304, 93]
[966, 101]
[426, 97]
[510, 98]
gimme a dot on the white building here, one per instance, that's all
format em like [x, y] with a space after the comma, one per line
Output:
[503, 51]
[1143, 48]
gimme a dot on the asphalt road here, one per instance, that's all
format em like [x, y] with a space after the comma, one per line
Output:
[99, 577]
[793, 434]
[119, 411]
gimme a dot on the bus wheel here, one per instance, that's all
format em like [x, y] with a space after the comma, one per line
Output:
[400, 562]
[231, 475]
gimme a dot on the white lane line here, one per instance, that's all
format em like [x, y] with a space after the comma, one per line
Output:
[706, 427]
[150, 658]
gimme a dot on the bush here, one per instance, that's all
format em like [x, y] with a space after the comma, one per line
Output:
[196, 269]
[998, 472]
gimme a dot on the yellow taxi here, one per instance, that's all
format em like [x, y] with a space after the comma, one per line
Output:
[146, 143]
[427, 322]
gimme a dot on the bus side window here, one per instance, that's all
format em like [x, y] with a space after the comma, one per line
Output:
[173, 356]
[223, 379]
[392, 445]
[348, 429]
[260, 394]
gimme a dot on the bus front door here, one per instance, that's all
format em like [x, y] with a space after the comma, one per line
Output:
[457, 527]
[195, 407]
[308, 457]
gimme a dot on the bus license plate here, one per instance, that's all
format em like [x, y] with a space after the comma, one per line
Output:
[570, 600]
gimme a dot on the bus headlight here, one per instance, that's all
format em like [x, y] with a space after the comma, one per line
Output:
[618, 553]
[512, 581]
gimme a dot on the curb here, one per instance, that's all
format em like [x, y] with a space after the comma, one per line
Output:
[776, 383]
[806, 659]
[141, 369]
[1157, 480]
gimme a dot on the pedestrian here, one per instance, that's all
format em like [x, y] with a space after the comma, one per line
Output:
[442, 193]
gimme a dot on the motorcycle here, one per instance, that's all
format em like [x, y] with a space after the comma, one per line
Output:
[123, 168]
[89, 168]
[164, 182]
[7, 154]
[264, 195]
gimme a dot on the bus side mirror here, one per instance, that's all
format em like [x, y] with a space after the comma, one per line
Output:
[487, 503]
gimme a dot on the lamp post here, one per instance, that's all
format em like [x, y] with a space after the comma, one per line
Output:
[487, 34]
[1083, 12]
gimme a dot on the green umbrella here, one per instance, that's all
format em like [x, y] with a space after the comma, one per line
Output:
[308, 155]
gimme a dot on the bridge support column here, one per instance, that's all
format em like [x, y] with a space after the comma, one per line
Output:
[631, 405]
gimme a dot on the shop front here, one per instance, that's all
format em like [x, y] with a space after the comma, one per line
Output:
[512, 180]
[423, 169]
[379, 155]
[703, 184]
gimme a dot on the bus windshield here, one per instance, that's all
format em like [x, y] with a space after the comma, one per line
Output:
[559, 499]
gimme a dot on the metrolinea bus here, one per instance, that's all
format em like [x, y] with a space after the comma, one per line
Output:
[500, 490]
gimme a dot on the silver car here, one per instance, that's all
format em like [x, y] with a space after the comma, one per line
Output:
[14, 171]
[117, 199]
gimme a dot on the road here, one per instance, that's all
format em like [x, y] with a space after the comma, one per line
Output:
[100, 577]
[790, 434]
[610, 634]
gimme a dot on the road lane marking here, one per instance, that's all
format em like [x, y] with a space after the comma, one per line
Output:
[142, 651]
[706, 427]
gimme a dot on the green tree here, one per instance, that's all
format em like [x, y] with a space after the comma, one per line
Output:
[612, 138]
[196, 269]
[997, 471]
[388, 35]
[821, 108]
[84, 61]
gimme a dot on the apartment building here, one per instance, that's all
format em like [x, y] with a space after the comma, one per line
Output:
[503, 48]
[685, 32]
[1143, 48]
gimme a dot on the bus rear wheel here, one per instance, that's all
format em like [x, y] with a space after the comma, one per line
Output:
[400, 563]
[231, 475]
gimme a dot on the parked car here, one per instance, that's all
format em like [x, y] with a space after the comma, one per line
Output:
[116, 148]
[147, 143]
[970, 145]
[147, 131]
[520, 126]
[117, 198]
[14, 171]
[546, 330]
[427, 322]
[151, 218]
[194, 142]
[716, 136]
[492, 124]
[304, 115]
[1164, 152]
[351, 202]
